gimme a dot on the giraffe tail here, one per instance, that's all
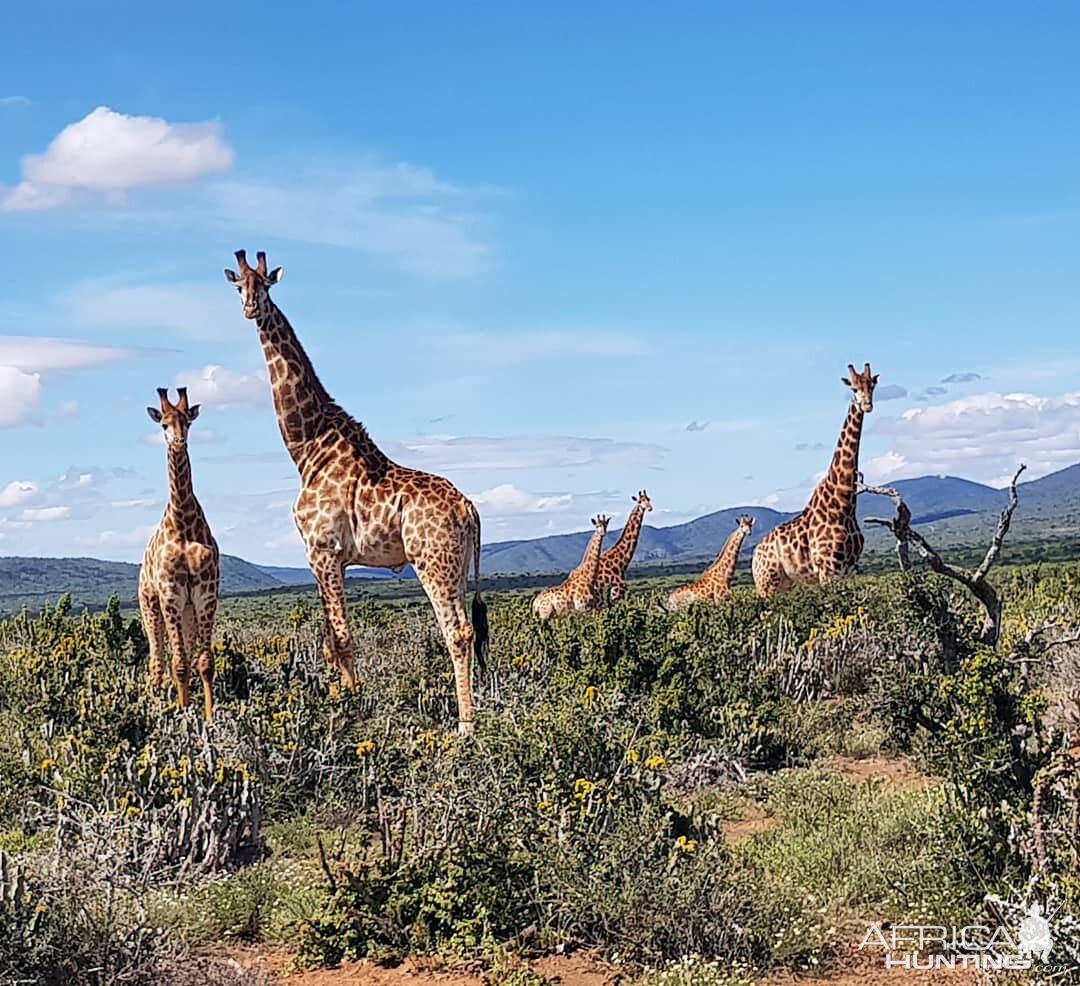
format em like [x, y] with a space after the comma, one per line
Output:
[479, 607]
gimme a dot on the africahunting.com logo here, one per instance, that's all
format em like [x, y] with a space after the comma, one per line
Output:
[975, 946]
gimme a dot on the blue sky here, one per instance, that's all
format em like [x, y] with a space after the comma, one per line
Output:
[555, 254]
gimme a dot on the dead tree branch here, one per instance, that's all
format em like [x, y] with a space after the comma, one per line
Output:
[976, 583]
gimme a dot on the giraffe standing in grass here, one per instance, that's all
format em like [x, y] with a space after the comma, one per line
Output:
[616, 560]
[357, 507]
[180, 574]
[580, 590]
[824, 541]
[715, 581]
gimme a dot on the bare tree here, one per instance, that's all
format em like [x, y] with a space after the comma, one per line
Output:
[975, 582]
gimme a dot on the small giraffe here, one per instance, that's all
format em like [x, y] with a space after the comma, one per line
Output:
[715, 581]
[580, 590]
[824, 542]
[180, 574]
[357, 507]
[616, 560]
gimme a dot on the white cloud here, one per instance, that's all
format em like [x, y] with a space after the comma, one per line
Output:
[139, 503]
[35, 515]
[20, 396]
[119, 539]
[109, 153]
[507, 499]
[193, 310]
[217, 386]
[15, 101]
[399, 213]
[437, 453]
[33, 355]
[18, 493]
[982, 437]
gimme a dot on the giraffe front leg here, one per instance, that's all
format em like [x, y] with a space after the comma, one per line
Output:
[154, 628]
[181, 661]
[329, 573]
[204, 660]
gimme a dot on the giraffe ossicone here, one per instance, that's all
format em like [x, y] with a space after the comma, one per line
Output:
[581, 590]
[358, 507]
[715, 582]
[824, 541]
[180, 574]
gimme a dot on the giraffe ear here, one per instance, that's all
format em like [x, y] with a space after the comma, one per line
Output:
[230, 276]
[193, 412]
[276, 275]
[155, 414]
[845, 381]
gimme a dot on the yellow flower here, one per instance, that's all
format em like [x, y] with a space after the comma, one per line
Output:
[133, 812]
[588, 699]
[685, 844]
[632, 756]
[582, 788]
[656, 762]
[47, 764]
[544, 806]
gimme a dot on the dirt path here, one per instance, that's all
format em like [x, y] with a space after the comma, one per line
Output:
[578, 970]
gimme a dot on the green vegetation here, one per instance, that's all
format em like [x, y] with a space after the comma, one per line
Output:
[611, 756]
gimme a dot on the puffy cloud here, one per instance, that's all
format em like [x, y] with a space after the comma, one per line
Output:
[982, 437]
[20, 397]
[218, 387]
[18, 493]
[522, 452]
[507, 499]
[109, 153]
[35, 515]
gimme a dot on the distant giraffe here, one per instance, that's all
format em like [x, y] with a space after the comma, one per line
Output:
[357, 507]
[715, 581]
[615, 561]
[180, 574]
[580, 590]
[824, 541]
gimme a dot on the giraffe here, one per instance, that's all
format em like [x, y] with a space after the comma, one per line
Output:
[580, 590]
[824, 541]
[615, 561]
[715, 581]
[180, 574]
[358, 507]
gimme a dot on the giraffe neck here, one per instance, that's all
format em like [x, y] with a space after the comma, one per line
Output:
[724, 566]
[300, 399]
[183, 508]
[837, 489]
[590, 564]
[623, 549]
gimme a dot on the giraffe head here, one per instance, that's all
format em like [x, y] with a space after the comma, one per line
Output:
[862, 387]
[254, 283]
[175, 419]
[600, 522]
[643, 501]
[745, 524]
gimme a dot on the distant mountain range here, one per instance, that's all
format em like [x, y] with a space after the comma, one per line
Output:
[955, 511]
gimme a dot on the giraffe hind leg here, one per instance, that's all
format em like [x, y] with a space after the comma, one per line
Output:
[329, 573]
[448, 602]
